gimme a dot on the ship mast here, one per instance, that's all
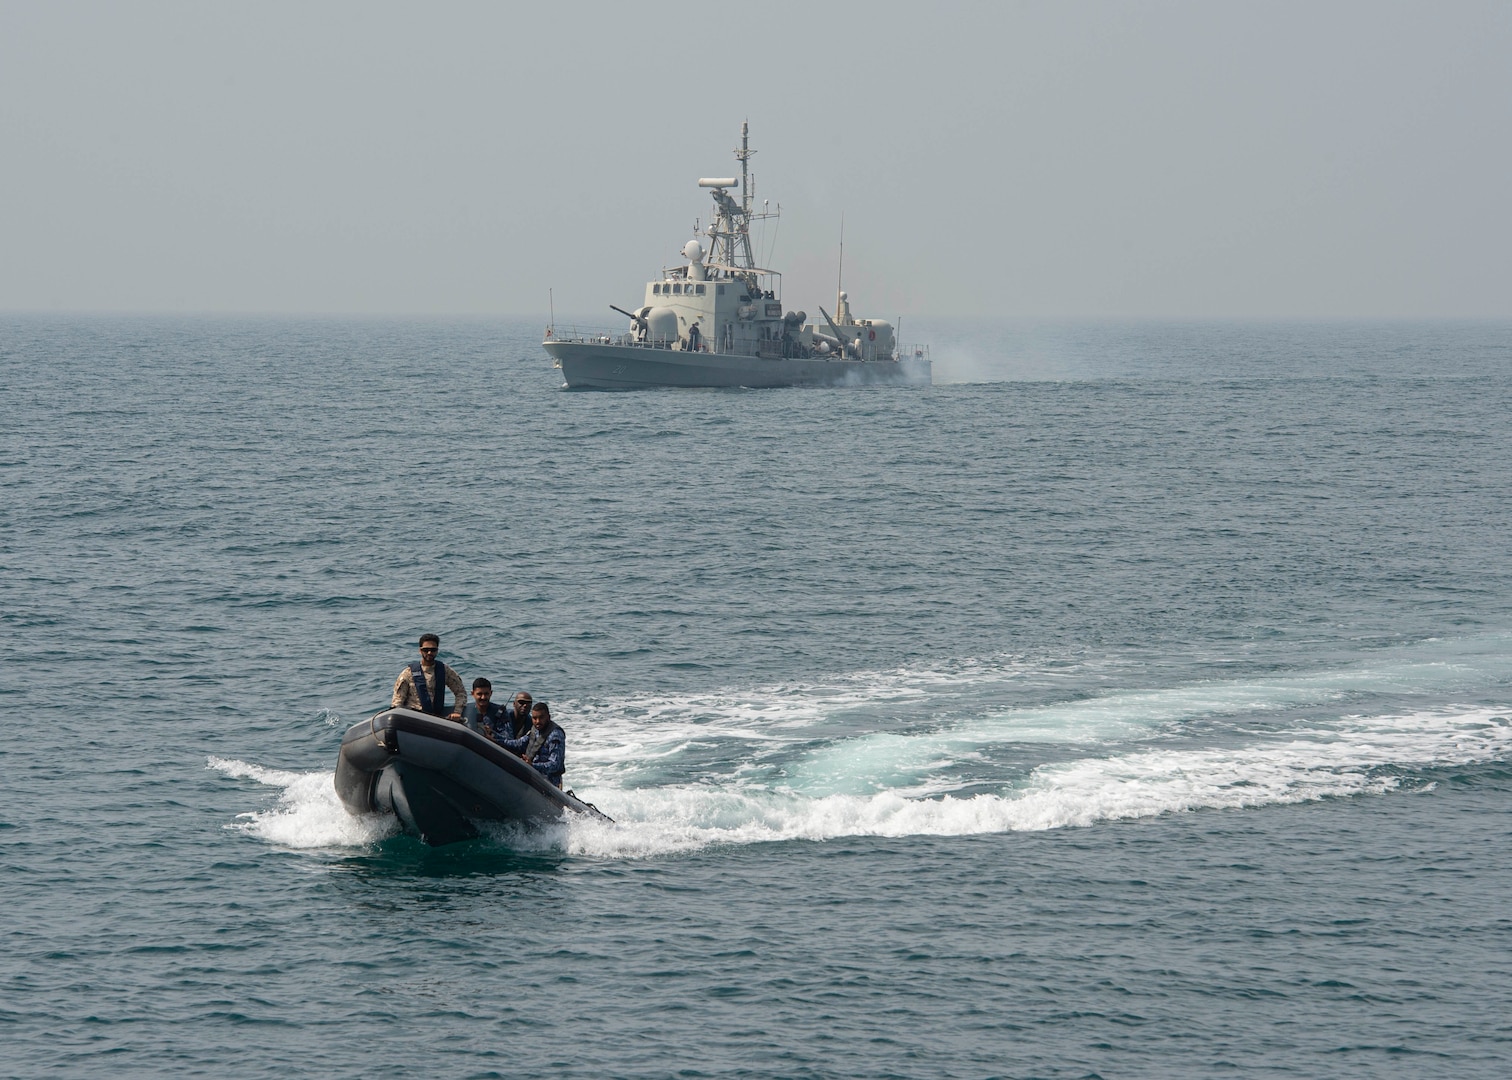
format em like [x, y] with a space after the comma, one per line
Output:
[731, 229]
[743, 155]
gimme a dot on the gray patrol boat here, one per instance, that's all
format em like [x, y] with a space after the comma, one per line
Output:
[718, 320]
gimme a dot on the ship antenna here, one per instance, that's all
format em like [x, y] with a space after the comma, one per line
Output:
[744, 154]
[840, 273]
[551, 302]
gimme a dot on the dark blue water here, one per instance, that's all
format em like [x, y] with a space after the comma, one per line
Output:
[1136, 702]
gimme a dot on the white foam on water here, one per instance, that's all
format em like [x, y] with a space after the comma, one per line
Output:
[620, 740]
[1352, 757]
[1116, 717]
[624, 743]
[308, 813]
[773, 763]
[659, 724]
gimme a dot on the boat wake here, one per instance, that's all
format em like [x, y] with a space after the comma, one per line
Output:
[851, 759]
[1363, 758]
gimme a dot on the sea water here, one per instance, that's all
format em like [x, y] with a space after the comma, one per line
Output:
[1134, 702]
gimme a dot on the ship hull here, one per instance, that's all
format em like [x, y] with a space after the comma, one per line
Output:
[629, 367]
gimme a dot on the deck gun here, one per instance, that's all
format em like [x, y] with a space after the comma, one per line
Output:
[844, 344]
[640, 324]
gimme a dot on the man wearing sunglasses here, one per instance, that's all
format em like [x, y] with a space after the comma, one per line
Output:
[422, 685]
[517, 715]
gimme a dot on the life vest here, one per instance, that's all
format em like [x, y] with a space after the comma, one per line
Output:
[492, 723]
[417, 675]
[533, 754]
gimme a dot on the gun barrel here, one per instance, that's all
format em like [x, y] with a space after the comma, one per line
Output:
[636, 319]
[840, 339]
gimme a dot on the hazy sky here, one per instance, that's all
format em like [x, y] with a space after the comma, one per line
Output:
[1030, 159]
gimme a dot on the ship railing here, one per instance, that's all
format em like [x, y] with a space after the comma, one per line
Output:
[595, 336]
[871, 350]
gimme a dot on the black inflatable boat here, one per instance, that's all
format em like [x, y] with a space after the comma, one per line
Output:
[438, 777]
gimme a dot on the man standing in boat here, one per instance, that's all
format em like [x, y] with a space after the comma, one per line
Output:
[544, 745]
[423, 684]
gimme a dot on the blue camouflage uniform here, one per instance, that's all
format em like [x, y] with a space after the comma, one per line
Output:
[518, 722]
[550, 758]
[493, 725]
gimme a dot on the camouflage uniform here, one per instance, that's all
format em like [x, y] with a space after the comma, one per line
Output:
[405, 696]
[550, 755]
